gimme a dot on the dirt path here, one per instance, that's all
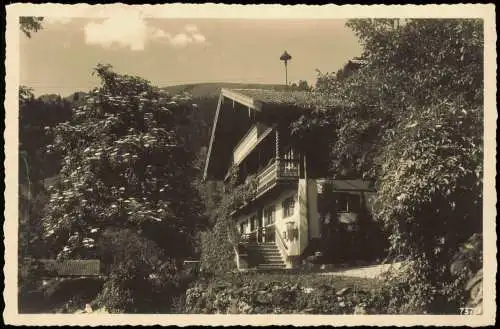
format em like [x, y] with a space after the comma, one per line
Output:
[368, 272]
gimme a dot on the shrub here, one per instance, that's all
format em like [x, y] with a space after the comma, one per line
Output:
[141, 276]
[465, 268]
[220, 244]
[415, 288]
[266, 294]
[217, 253]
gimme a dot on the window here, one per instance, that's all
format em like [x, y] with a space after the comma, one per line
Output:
[269, 217]
[288, 206]
[347, 202]
[242, 227]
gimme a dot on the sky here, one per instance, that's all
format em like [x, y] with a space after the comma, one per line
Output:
[59, 58]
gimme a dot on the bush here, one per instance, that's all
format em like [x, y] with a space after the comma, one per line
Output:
[217, 253]
[60, 295]
[415, 288]
[266, 294]
[142, 277]
[220, 245]
[465, 269]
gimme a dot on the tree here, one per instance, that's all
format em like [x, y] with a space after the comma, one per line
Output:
[411, 120]
[302, 85]
[29, 24]
[36, 115]
[34, 165]
[125, 167]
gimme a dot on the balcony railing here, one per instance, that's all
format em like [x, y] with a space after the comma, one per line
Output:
[255, 186]
[280, 169]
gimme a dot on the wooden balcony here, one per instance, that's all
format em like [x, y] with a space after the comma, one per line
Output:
[279, 170]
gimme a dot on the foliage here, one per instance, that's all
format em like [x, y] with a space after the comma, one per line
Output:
[219, 245]
[466, 271]
[29, 282]
[36, 117]
[267, 293]
[124, 166]
[411, 120]
[430, 170]
[29, 24]
[349, 69]
[30, 247]
[469, 257]
[302, 85]
[141, 276]
[34, 167]
[123, 193]
[25, 95]
[217, 254]
[438, 155]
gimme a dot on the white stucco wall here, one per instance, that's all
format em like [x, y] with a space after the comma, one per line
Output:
[314, 217]
[278, 203]
[308, 227]
[303, 221]
[280, 221]
[306, 214]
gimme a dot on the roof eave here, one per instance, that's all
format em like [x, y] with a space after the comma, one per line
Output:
[242, 99]
[212, 137]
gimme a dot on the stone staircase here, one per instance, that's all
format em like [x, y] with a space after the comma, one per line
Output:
[264, 257]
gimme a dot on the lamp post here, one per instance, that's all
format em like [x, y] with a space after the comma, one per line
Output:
[285, 58]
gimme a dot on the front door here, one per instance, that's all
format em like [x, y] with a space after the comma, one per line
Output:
[268, 231]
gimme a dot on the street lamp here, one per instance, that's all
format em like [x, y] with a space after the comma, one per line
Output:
[285, 58]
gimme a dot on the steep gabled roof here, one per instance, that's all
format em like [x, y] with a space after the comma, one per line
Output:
[262, 97]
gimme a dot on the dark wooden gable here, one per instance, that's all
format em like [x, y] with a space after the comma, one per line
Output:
[238, 110]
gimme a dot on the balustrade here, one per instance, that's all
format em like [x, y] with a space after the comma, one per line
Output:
[265, 234]
[281, 168]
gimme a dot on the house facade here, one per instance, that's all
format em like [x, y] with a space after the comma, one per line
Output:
[294, 205]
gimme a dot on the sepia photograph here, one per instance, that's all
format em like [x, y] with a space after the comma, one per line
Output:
[190, 160]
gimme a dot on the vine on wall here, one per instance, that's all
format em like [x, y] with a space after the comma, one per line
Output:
[219, 245]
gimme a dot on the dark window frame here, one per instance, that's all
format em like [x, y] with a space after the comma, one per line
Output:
[270, 210]
[288, 207]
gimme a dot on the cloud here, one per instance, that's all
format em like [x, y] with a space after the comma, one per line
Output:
[189, 35]
[128, 29]
[180, 40]
[197, 37]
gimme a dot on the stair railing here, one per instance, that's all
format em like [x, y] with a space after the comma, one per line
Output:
[280, 241]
